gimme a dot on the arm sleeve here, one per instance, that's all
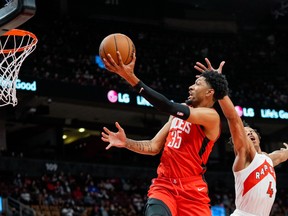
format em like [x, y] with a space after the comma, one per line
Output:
[161, 103]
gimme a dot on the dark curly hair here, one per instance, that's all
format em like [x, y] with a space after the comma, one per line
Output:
[218, 82]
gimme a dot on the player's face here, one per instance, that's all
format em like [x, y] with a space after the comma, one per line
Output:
[197, 92]
[253, 136]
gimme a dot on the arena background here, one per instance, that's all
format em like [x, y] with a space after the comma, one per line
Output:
[170, 36]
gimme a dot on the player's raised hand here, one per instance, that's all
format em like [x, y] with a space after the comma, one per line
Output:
[117, 139]
[201, 68]
[125, 71]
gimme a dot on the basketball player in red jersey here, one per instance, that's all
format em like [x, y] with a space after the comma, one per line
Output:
[185, 141]
[255, 179]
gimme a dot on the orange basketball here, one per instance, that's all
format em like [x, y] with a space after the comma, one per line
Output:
[117, 42]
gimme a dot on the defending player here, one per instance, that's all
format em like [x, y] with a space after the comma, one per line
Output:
[255, 179]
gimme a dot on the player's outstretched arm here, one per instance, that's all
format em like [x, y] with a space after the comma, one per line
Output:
[279, 156]
[147, 147]
[159, 101]
[241, 144]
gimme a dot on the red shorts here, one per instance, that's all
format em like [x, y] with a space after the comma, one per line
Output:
[183, 196]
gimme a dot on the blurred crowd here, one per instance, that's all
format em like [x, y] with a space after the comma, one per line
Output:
[255, 60]
[78, 195]
[87, 195]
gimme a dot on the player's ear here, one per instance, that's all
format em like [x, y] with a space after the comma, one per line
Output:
[210, 92]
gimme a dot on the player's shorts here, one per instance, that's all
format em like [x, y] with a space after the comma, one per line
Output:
[183, 196]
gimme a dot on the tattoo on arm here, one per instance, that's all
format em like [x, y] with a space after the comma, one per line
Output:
[139, 146]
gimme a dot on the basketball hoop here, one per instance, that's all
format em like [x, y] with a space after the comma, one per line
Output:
[15, 46]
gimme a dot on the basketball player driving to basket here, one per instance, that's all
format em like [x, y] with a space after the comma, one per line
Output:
[185, 141]
[255, 179]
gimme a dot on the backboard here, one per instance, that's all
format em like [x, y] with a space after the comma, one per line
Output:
[14, 13]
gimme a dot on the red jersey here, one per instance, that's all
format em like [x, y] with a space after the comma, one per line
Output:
[186, 151]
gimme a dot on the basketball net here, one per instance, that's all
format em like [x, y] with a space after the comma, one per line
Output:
[15, 46]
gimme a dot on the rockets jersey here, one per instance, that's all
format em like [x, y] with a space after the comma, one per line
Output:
[186, 151]
[255, 186]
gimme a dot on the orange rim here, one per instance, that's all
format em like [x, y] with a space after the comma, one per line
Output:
[20, 33]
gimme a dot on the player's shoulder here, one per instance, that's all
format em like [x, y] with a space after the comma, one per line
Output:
[264, 153]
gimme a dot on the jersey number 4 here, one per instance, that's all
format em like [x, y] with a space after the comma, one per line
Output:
[270, 190]
[176, 139]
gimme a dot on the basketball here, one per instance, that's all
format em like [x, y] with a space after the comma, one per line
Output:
[117, 42]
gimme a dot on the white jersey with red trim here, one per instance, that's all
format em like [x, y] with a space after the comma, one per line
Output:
[255, 187]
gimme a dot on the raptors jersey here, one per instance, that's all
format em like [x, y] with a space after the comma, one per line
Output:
[255, 187]
[186, 151]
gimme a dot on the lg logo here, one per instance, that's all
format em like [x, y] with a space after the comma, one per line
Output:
[246, 112]
[114, 97]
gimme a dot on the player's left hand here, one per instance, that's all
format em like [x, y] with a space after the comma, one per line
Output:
[201, 68]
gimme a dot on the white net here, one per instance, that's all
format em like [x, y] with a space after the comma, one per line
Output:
[15, 46]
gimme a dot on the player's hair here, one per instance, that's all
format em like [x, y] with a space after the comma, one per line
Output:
[218, 82]
[245, 124]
